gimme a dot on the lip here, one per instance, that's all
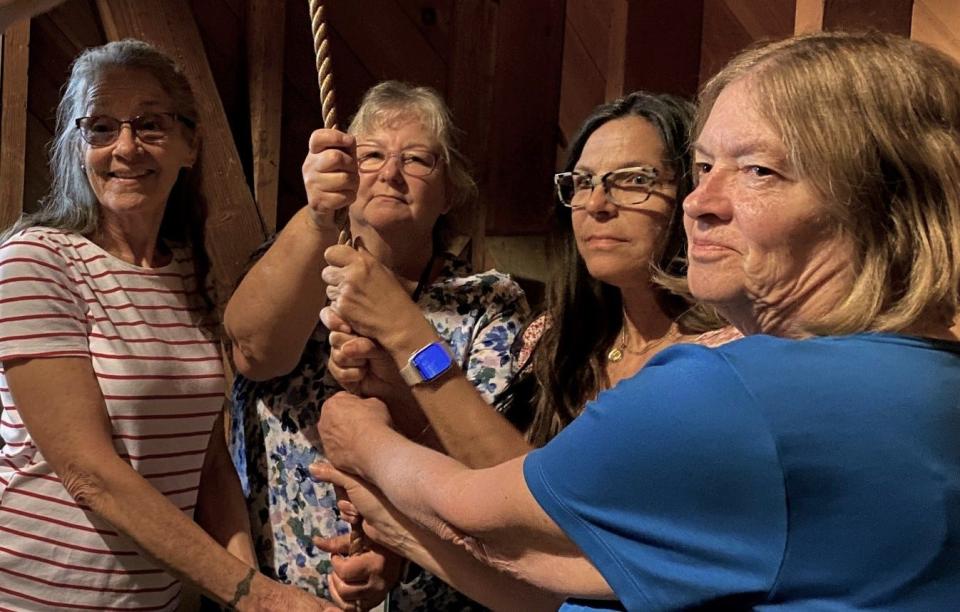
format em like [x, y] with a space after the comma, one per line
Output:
[703, 249]
[604, 239]
[386, 196]
[129, 175]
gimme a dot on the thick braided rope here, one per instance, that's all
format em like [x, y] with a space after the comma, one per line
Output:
[321, 47]
[328, 106]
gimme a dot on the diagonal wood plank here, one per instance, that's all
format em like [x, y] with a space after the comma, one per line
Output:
[808, 17]
[935, 23]
[265, 24]
[13, 124]
[234, 227]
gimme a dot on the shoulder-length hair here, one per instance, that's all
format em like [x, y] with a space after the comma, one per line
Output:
[71, 204]
[872, 120]
[586, 315]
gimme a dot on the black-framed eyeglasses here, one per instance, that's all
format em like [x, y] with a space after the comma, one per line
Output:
[104, 130]
[625, 187]
[413, 162]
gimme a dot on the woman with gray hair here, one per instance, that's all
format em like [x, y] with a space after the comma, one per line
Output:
[111, 382]
[399, 174]
[813, 464]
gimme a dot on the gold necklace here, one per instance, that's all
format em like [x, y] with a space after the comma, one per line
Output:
[616, 353]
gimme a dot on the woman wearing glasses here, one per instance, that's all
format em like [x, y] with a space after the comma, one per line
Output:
[112, 382]
[398, 173]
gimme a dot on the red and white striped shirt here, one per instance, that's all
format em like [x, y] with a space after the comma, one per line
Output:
[162, 382]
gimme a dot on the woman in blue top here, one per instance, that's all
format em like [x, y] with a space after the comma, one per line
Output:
[813, 465]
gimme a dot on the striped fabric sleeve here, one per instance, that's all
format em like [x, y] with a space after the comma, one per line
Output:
[41, 312]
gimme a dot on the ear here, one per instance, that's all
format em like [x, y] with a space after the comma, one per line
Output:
[194, 143]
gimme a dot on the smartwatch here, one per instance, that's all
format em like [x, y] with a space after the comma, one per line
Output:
[429, 363]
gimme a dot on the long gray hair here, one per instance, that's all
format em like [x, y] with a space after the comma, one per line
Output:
[71, 204]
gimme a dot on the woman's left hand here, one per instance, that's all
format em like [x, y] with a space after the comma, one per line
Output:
[367, 295]
[347, 425]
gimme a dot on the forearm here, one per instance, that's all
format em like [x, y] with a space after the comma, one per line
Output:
[114, 491]
[466, 426]
[275, 308]
[457, 567]
[221, 509]
[488, 512]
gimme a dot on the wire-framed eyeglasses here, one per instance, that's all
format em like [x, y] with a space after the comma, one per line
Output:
[413, 162]
[625, 187]
[104, 130]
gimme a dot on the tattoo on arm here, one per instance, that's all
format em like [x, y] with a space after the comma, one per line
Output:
[243, 589]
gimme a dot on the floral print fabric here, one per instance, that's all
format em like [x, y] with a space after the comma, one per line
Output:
[274, 436]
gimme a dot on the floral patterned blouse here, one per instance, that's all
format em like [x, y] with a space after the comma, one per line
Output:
[274, 436]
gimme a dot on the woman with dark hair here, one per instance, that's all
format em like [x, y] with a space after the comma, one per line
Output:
[617, 295]
[112, 380]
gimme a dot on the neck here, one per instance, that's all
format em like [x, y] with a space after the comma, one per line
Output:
[644, 318]
[131, 239]
[405, 257]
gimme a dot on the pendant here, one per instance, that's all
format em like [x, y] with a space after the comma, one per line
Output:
[615, 355]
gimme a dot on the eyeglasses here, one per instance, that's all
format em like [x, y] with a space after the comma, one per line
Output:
[104, 130]
[626, 187]
[413, 162]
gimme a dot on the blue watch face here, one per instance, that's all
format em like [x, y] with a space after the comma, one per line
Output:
[432, 361]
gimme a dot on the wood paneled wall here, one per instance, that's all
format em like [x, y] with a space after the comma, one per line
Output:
[519, 76]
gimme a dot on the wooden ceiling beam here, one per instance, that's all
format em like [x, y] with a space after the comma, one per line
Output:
[674, 29]
[234, 227]
[13, 123]
[265, 25]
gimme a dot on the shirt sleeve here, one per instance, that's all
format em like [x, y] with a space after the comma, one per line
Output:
[41, 312]
[490, 363]
[670, 484]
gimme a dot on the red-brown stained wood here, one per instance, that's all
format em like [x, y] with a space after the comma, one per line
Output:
[660, 48]
[472, 64]
[808, 16]
[731, 25]
[234, 227]
[265, 23]
[13, 123]
[526, 103]
[937, 23]
[892, 16]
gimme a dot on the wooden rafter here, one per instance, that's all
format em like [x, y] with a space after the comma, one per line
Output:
[265, 24]
[13, 125]
[234, 227]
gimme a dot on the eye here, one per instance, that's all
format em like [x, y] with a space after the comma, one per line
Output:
[419, 158]
[582, 181]
[701, 168]
[101, 125]
[371, 155]
[150, 123]
[760, 171]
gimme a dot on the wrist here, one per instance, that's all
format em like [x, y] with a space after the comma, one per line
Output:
[323, 222]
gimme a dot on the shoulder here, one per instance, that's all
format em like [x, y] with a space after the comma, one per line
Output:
[42, 247]
[488, 290]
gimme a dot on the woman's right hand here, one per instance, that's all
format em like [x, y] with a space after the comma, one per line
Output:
[330, 175]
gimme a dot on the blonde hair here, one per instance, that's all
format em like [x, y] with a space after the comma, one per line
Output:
[390, 101]
[871, 120]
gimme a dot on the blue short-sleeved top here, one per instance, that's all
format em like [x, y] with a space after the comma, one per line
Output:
[819, 474]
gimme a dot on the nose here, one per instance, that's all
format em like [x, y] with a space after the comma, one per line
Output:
[126, 144]
[598, 203]
[391, 170]
[710, 198]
